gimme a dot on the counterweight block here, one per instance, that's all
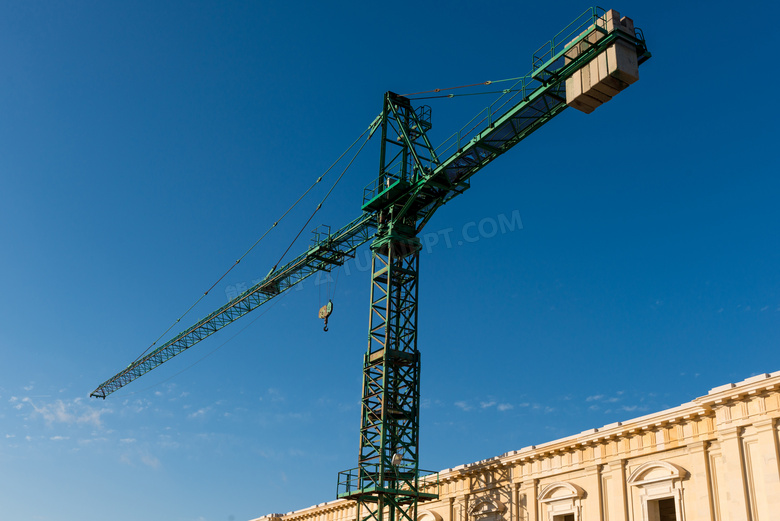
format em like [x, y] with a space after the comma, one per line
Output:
[612, 70]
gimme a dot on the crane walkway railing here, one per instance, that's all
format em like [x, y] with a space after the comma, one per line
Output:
[422, 484]
[546, 55]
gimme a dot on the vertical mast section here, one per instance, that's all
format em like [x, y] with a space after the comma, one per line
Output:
[387, 484]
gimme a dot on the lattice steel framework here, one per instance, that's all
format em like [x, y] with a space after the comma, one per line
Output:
[413, 179]
[413, 183]
[329, 250]
[389, 430]
[386, 483]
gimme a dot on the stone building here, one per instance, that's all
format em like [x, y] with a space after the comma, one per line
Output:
[714, 458]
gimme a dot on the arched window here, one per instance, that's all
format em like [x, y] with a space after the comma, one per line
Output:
[660, 489]
[427, 515]
[485, 509]
[563, 501]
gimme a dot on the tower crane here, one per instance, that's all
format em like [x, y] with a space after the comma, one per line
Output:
[586, 64]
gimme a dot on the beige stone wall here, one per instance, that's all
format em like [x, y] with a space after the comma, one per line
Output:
[715, 458]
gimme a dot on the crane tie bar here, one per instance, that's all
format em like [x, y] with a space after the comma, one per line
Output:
[319, 179]
[459, 87]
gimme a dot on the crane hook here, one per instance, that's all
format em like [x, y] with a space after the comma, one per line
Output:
[325, 312]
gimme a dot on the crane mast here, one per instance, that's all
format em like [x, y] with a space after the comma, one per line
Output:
[583, 66]
[386, 479]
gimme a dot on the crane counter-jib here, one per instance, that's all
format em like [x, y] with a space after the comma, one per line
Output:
[543, 94]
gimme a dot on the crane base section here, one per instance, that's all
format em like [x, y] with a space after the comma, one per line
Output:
[426, 486]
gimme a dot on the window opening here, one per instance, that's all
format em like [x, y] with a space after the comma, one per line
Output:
[661, 510]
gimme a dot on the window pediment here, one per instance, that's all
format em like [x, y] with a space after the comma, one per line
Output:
[428, 515]
[562, 499]
[560, 490]
[656, 471]
[486, 507]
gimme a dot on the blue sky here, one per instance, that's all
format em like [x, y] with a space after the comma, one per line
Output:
[145, 147]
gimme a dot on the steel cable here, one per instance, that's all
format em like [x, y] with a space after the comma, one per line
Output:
[317, 209]
[266, 233]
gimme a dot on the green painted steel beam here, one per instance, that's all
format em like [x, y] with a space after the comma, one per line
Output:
[413, 184]
[321, 257]
[404, 197]
[540, 102]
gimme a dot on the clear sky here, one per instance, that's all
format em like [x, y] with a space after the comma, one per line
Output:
[144, 146]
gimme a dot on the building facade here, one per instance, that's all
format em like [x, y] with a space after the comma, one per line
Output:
[714, 458]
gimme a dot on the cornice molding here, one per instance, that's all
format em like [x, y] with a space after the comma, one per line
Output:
[700, 408]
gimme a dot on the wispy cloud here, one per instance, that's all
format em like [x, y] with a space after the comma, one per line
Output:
[489, 404]
[601, 398]
[275, 395]
[150, 461]
[200, 413]
[88, 441]
[141, 456]
[137, 405]
[66, 412]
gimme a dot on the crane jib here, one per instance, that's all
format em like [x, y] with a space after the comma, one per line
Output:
[542, 94]
[321, 256]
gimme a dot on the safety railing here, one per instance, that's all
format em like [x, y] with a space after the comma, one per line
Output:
[400, 480]
[381, 184]
[593, 16]
[525, 85]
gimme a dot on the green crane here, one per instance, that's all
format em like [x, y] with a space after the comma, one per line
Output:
[585, 64]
